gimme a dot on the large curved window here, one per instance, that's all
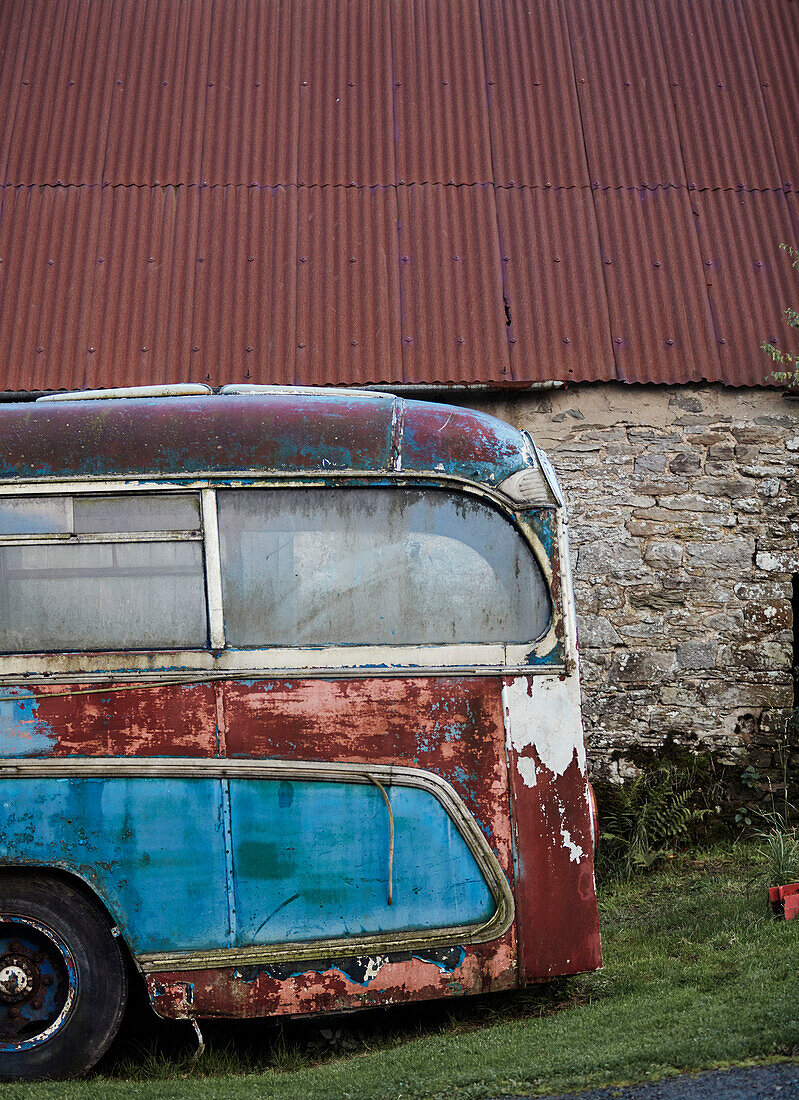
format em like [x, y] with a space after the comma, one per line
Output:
[358, 566]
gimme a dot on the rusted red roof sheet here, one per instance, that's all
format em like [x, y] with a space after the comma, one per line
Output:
[252, 103]
[277, 190]
[146, 266]
[651, 256]
[534, 113]
[550, 256]
[449, 260]
[48, 248]
[57, 75]
[348, 285]
[629, 127]
[156, 127]
[716, 88]
[774, 33]
[739, 235]
[346, 94]
[440, 92]
[243, 308]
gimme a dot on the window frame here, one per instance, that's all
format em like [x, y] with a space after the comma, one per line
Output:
[220, 659]
[111, 538]
[373, 512]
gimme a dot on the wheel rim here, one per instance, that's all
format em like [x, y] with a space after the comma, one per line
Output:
[38, 983]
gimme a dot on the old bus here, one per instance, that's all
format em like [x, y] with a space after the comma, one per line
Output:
[289, 713]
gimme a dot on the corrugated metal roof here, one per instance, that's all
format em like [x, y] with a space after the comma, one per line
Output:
[793, 207]
[348, 285]
[453, 312]
[60, 61]
[252, 103]
[145, 271]
[465, 191]
[440, 92]
[739, 236]
[157, 122]
[14, 31]
[245, 285]
[346, 93]
[715, 86]
[629, 127]
[550, 256]
[534, 113]
[48, 239]
[773, 28]
[660, 319]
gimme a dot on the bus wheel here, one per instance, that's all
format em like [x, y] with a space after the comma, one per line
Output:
[62, 979]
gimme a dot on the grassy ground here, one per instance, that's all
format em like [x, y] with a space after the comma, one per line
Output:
[696, 975]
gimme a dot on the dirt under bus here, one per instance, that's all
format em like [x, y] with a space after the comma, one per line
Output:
[289, 712]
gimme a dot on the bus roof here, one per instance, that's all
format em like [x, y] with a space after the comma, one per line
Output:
[293, 431]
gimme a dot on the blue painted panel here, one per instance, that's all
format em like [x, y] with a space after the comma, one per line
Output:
[311, 861]
[154, 849]
[22, 732]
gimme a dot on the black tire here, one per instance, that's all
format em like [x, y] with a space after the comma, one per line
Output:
[63, 983]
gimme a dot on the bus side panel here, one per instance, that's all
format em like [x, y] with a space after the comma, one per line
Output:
[152, 849]
[450, 726]
[334, 985]
[114, 720]
[556, 906]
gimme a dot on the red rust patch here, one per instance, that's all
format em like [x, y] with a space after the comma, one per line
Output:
[487, 968]
[557, 918]
[151, 720]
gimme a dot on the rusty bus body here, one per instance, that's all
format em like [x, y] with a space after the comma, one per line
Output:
[360, 803]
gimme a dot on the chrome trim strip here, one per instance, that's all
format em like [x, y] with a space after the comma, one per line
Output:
[251, 479]
[388, 774]
[62, 538]
[246, 388]
[127, 679]
[230, 881]
[173, 389]
[145, 679]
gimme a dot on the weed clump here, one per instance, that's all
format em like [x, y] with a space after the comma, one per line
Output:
[674, 801]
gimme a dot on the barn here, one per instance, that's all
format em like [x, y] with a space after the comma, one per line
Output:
[565, 212]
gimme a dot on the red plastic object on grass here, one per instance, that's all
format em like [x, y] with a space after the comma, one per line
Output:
[784, 900]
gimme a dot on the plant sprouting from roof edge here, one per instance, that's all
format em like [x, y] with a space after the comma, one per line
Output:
[787, 362]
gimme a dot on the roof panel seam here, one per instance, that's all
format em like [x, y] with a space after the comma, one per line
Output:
[690, 189]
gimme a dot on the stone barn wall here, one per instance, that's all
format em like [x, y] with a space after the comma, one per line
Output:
[684, 515]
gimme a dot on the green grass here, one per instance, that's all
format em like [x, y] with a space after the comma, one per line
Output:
[697, 975]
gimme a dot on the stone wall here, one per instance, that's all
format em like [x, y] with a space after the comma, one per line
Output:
[684, 517]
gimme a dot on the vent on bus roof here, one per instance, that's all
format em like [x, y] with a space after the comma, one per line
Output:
[182, 389]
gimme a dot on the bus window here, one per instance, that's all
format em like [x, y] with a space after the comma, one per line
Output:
[90, 573]
[374, 566]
